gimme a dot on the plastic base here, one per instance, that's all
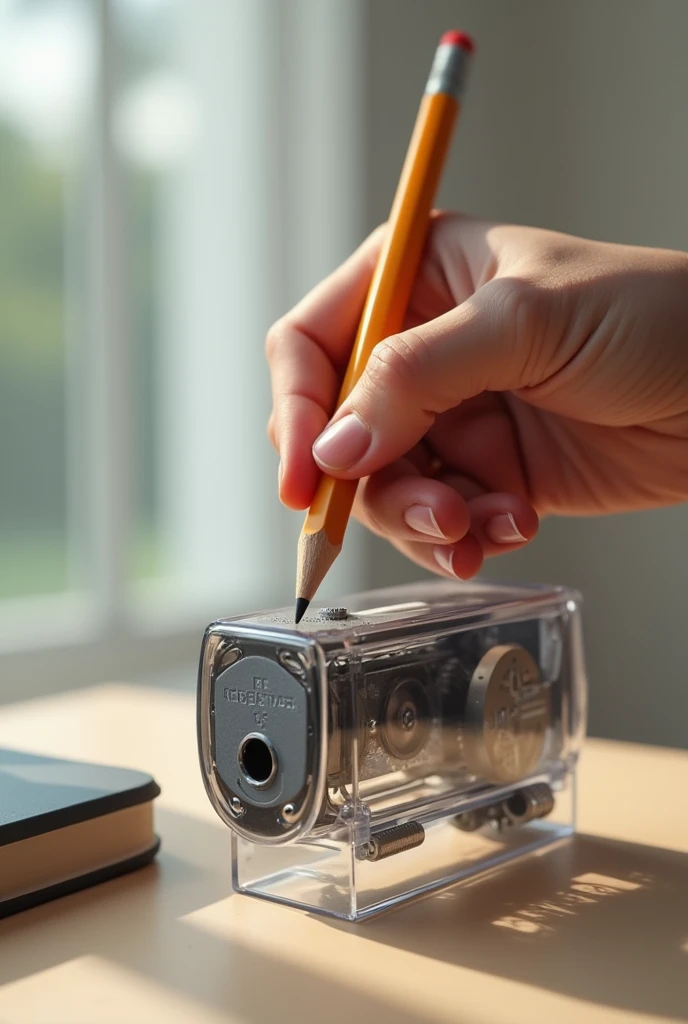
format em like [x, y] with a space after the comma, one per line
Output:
[329, 876]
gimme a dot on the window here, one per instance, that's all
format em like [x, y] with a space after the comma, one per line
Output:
[174, 176]
[46, 69]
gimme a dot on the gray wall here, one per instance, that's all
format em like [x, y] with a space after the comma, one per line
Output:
[575, 120]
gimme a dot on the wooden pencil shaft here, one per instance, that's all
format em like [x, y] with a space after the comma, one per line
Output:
[316, 556]
[397, 266]
[386, 303]
[390, 289]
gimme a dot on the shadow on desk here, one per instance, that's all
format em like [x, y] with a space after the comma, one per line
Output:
[595, 919]
[598, 920]
[137, 922]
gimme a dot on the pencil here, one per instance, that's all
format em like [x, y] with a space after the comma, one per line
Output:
[390, 290]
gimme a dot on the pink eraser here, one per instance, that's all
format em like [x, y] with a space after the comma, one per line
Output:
[458, 39]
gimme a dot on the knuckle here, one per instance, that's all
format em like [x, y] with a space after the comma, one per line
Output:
[364, 508]
[557, 254]
[370, 248]
[518, 302]
[443, 224]
[377, 234]
[271, 431]
[523, 306]
[397, 362]
[274, 339]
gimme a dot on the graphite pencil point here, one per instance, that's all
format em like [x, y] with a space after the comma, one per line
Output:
[301, 606]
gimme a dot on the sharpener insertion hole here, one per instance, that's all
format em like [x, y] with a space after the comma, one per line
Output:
[257, 760]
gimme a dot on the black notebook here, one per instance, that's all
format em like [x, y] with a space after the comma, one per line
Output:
[66, 825]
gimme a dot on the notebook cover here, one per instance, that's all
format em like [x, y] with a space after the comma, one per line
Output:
[41, 794]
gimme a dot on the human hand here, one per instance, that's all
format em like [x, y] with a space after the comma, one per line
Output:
[537, 374]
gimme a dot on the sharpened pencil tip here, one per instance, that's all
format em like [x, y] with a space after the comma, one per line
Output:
[301, 606]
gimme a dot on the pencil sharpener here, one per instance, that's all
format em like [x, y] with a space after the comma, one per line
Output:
[395, 743]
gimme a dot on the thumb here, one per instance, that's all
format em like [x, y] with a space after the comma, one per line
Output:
[414, 376]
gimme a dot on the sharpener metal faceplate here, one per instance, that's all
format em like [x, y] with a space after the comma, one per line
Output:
[264, 745]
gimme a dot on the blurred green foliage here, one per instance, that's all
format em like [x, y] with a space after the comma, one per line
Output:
[38, 291]
[32, 369]
[33, 413]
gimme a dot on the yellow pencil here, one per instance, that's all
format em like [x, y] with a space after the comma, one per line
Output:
[390, 290]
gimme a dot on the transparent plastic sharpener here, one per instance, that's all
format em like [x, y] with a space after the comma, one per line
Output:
[395, 743]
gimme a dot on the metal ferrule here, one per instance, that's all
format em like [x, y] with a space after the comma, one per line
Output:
[449, 71]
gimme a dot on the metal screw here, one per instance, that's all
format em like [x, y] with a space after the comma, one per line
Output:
[336, 614]
[237, 806]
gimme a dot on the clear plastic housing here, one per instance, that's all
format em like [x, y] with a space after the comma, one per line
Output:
[408, 739]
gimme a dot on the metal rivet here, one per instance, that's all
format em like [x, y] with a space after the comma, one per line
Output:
[229, 653]
[237, 806]
[293, 662]
[289, 813]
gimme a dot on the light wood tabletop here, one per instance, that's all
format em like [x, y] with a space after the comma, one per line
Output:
[595, 930]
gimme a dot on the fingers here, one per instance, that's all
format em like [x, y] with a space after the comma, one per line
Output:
[308, 348]
[304, 388]
[502, 522]
[462, 560]
[307, 351]
[402, 503]
[447, 529]
[415, 376]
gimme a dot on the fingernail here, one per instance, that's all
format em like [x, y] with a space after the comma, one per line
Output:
[342, 444]
[502, 529]
[421, 518]
[444, 557]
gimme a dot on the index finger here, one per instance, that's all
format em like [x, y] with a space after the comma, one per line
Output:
[307, 351]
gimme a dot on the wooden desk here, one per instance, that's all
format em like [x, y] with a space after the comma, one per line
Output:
[171, 944]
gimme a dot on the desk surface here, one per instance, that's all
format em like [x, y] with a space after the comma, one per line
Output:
[171, 944]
